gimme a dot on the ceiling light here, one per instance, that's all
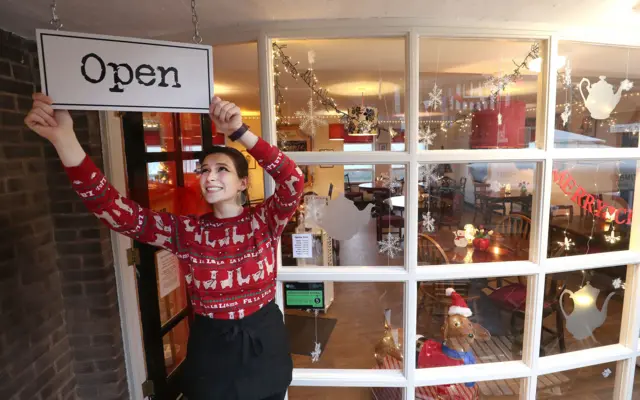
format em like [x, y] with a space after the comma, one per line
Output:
[362, 88]
[535, 65]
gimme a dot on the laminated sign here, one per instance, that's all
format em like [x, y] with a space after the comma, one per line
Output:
[80, 71]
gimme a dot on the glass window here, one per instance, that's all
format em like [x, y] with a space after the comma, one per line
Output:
[591, 207]
[461, 105]
[344, 393]
[175, 345]
[368, 92]
[341, 316]
[506, 388]
[582, 309]
[158, 132]
[347, 222]
[478, 317]
[596, 106]
[474, 213]
[595, 382]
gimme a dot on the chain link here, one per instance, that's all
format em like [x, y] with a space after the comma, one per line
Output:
[197, 39]
[55, 21]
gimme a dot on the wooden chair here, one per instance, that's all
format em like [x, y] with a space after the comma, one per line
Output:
[349, 193]
[514, 231]
[385, 218]
[453, 219]
[430, 252]
[482, 205]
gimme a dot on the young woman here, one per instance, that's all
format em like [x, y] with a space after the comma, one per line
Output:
[238, 346]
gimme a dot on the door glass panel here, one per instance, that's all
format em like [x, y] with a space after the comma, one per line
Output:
[158, 132]
[350, 215]
[191, 132]
[169, 278]
[162, 184]
[502, 389]
[343, 316]
[175, 345]
[344, 393]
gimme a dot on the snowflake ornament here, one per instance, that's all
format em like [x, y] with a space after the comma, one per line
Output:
[566, 78]
[626, 85]
[390, 246]
[435, 98]
[390, 183]
[566, 114]
[428, 223]
[425, 136]
[567, 244]
[392, 132]
[310, 120]
[499, 118]
[315, 354]
[429, 174]
[606, 373]
[618, 284]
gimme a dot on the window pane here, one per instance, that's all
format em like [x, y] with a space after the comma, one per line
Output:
[344, 393]
[175, 345]
[238, 82]
[342, 317]
[457, 73]
[162, 185]
[346, 221]
[591, 203]
[190, 132]
[582, 309]
[490, 309]
[506, 389]
[596, 382]
[595, 107]
[158, 132]
[368, 87]
[477, 212]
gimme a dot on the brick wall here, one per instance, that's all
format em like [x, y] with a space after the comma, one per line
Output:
[60, 332]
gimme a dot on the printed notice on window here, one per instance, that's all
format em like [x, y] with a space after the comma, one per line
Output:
[302, 245]
[168, 272]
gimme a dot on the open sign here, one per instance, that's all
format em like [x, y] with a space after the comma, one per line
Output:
[94, 72]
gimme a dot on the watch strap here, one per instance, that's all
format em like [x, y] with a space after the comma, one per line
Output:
[239, 132]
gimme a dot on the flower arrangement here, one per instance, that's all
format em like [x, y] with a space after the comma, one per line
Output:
[523, 186]
[481, 241]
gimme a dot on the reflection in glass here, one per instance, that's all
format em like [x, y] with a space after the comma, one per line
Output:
[591, 203]
[342, 316]
[582, 309]
[470, 321]
[351, 222]
[503, 389]
[477, 212]
[344, 393]
[162, 183]
[596, 382]
[457, 110]
[596, 105]
[369, 89]
[175, 345]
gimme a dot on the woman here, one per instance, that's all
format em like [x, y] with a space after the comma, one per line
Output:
[238, 346]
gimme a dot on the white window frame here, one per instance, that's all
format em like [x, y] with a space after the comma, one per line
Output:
[535, 269]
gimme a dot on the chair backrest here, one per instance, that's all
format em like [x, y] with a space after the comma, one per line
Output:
[430, 252]
[447, 181]
[463, 183]
[347, 183]
[515, 225]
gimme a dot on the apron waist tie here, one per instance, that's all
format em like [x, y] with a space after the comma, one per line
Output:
[251, 344]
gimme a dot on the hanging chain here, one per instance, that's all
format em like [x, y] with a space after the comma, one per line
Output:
[197, 39]
[55, 21]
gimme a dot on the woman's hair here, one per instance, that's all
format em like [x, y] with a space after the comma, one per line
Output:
[239, 162]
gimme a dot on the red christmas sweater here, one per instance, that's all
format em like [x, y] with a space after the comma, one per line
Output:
[229, 264]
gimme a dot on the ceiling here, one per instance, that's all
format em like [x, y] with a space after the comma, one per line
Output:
[449, 62]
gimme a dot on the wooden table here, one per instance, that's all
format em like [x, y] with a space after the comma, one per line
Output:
[502, 248]
[501, 197]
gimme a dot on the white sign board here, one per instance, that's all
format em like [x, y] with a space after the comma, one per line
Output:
[96, 72]
[302, 245]
[167, 266]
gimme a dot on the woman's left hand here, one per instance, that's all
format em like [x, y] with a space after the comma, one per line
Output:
[225, 115]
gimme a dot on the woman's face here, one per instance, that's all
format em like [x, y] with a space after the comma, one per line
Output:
[219, 180]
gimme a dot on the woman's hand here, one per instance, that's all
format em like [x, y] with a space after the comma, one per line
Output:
[53, 125]
[225, 115]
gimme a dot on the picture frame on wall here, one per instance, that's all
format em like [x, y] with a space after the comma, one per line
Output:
[382, 147]
[250, 160]
[290, 138]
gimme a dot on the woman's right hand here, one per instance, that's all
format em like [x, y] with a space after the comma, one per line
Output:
[53, 125]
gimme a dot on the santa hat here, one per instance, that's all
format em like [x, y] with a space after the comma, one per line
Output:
[458, 305]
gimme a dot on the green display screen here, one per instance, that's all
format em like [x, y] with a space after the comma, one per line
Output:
[304, 295]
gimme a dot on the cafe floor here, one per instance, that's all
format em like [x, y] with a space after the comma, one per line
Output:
[358, 308]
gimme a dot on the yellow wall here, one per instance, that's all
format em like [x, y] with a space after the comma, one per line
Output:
[323, 177]
[256, 177]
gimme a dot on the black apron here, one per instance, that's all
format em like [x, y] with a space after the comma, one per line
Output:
[246, 359]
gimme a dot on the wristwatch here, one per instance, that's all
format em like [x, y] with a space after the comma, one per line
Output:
[239, 132]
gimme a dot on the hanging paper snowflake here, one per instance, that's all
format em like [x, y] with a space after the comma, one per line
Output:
[428, 223]
[390, 245]
[606, 373]
[566, 114]
[566, 79]
[429, 174]
[617, 283]
[435, 98]
[392, 184]
[497, 84]
[310, 120]
[626, 85]
[315, 354]
[499, 118]
[425, 136]
[567, 244]
[392, 132]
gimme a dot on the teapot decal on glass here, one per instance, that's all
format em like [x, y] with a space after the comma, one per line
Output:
[340, 217]
[601, 98]
[585, 317]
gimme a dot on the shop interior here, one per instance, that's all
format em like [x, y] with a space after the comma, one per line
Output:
[354, 215]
